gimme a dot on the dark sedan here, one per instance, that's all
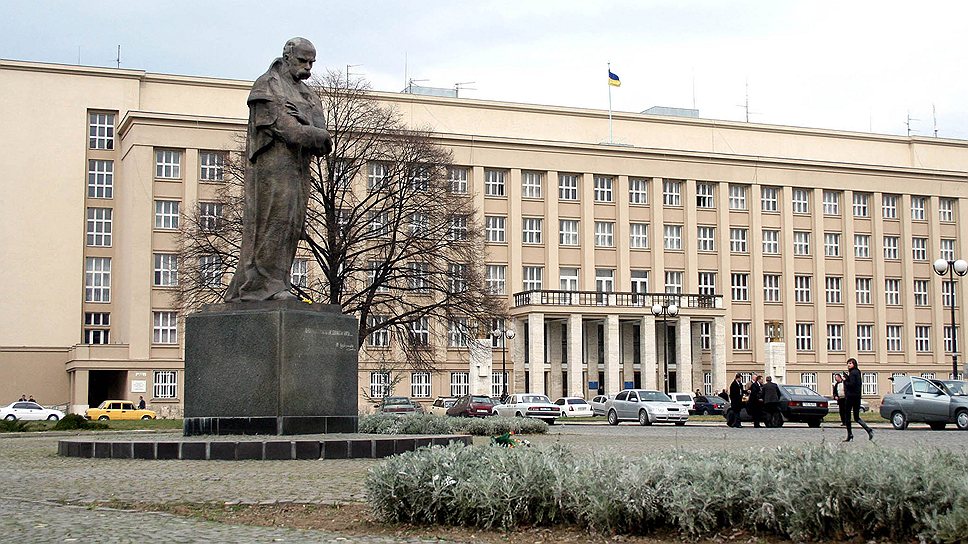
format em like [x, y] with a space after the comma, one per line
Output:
[706, 406]
[398, 405]
[472, 406]
[798, 404]
[935, 402]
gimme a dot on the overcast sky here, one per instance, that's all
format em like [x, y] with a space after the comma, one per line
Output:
[863, 66]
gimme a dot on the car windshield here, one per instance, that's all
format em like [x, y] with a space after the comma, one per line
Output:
[800, 391]
[653, 396]
[956, 388]
[481, 400]
[449, 403]
[577, 401]
[535, 398]
[396, 400]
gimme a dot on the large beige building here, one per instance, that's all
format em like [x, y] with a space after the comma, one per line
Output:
[788, 249]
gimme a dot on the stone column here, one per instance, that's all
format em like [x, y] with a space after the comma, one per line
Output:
[775, 364]
[516, 354]
[684, 353]
[555, 386]
[717, 344]
[479, 373]
[576, 382]
[628, 351]
[79, 392]
[697, 370]
[612, 384]
[650, 361]
[591, 356]
[536, 353]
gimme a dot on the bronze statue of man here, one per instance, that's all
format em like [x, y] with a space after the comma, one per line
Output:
[287, 127]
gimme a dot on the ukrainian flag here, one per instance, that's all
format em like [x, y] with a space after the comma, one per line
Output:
[613, 79]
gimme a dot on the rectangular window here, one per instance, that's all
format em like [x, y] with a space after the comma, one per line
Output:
[209, 216]
[458, 227]
[741, 335]
[947, 249]
[457, 176]
[889, 206]
[639, 235]
[99, 227]
[671, 192]
[862, 246]
[497, 384]
[673, 281]
[379, 336]
[101, 130]
[771, 242]
[210, 270]
[891, 247]
[920, 292]
[737, 197]
[603, 189]
[803, 289]
[418, 276]
[568, 186]
[420, 332]
[831, 202]
[919, 249]
[946, 210]
[769, 199]
[376, 176]
[947, 293]
[531, 184]
[638, 191]
[420, 385]
[863, 288]
[672, 238]
[922, 338]
[804, 333]
[96, 327]
[568, 279]
[457, 332]
[164, 328]
[801, 201]
[707, 283]
[373, 277]
[893, 336]
[771, 288]
[801, 242]
[212, 166]
[419, 223]
[705, 335]
[809, 379]
[892, 291]
[918, 208]
[869, 384]
[532, 277]
[100, 179]
[949, 336]
[861, 201]
[458, 384]
[165, 384]
[166, 270]
[640, 281]
[494, 182]
[97, 279]
[299, 273]
[494, 228]
[705, 195]
[457, 278]
[865, 340]
[832, 287]
[166, 214]
[379, 384]
[531, 230]
[835, 337]
[740, 286]
[831, 244]
[604, 234]
[737, 240]
[167, 164]
[568, 232]
[497, 279]
[705, 238]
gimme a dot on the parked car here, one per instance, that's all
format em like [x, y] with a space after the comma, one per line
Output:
[645, 406]
[798, 403]
[118, 409]
[935, 402]
[472, 406]
[27, 410]
[398, 406]
[598, 404]
[685, 399]
[574, 407]
[529, 405]
[440, 406]
[708, 405]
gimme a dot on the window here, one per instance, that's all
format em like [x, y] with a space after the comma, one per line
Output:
[949, 335]
[869, 384]
[862, 246]
[99, 227]
[101, 130]
[928, 375]
[97, 279]
[379, 384]
[801, 242]
[457, 332]
[165, 384]
[212, 166]
[707, 283]
[373, 277]
[494, 182]
[801, 201]
[497, 384]
[210, 270]
[494, 228]
[673, 281]
[457, 278]
[458, 384]
[603, 189]
[769, 199]
[671, 192]
[947, 293]
[946, 210]
[673, 237]
[947, 249]
[420, 332]
[922, 338]
[707, 383]
[804, 333]
[166, 270]
[865, 340]
[705, 238]
[831, 203]
[531, 230]
[917, 208]
[737, 240]
[639, 235]
[298, 273]
[640, 281]
[705, 195]
[209, 216]
[100, 179]
[419, 178]
[379, 336]
[889, 206]
[771, 242]
[832, 287]
[420, 385]
[638, 191]
[741, 335]
[604, 280]
[603, 234]
[737, 197]
[802, 289]
[892, 291]
[496, 277]
[860, 204]
[531, 184]
[458, 227]
[165, 329]
[568, 279]
[705, 335]
[568, 232]
[567, 186]
[419, 223]
[740, 286]
[920, 292]
[831, 244]
[376, 175]
[532, 277]
[919, 249]
[891, 246]
[418, 277]
[809, 379]
[835, 337]
[893, 335]
[863, 288]
[457, 176]
[771, 288]
[167, 164]
[166, 214]
[96, 327]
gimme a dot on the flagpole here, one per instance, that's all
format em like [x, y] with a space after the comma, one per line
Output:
[610, 106]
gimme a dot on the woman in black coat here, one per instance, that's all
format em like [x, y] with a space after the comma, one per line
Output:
[852, 391]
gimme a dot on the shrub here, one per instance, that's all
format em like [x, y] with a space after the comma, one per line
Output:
[802, 494]
[434, 424]
[72, 422]
[13, 426]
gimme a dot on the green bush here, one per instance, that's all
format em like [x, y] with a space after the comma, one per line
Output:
[13, 426]
[434, 424]
[801, 494]
[72, 422]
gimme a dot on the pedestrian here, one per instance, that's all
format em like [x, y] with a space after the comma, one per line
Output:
[771, 402]
[755, 404]
[23, 398]
[852, 391]
[839, 398]
[698, 393]
[723, 394]
[736, 400]
[31, 399]
[141, 402]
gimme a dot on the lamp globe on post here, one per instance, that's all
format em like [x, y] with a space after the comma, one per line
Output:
[959, 267]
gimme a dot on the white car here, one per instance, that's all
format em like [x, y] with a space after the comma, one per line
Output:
[574, 407]
[27, 410]
[598, 404]
[440, 406]
[646, 406]
[685, 399]
[529, 405]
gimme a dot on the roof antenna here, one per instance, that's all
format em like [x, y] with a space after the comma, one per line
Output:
[463, 85]
[934, 116]
[119, 56]
[909, 119]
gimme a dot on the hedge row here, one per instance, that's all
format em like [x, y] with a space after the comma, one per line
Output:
[434, 424]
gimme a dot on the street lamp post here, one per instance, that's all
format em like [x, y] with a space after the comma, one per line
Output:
[960, 267]
[664, 310]
[507, 334]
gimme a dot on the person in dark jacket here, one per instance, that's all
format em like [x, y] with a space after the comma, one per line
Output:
[755, 403]
[771, 399]
[736, 399]
[839, 397]
[852, 392]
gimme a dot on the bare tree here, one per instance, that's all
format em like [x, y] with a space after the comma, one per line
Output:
[393, 242]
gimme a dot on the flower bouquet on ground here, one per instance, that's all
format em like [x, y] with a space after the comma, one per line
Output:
[508, 440]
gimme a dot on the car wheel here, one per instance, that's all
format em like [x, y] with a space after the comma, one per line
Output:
[550, 421]
[961, 420]
[145, 417]
[103, 418]
[937, 425]
[644, 418]
[52, 417]
[899, 420]
[814, 423]
[612, 417]
[705, 412]
[10, 417]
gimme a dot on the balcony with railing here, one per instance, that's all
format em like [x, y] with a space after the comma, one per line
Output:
[596, 299]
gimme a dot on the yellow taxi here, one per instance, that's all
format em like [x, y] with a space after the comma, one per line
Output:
[118, 409]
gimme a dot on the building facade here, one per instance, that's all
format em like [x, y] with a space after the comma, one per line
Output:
[785, 250]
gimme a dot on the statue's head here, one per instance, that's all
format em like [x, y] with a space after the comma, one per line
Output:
[299, 55]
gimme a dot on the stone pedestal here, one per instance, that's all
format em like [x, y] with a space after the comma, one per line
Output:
[275, 367]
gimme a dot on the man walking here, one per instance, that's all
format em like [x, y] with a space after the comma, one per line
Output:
[755, 402]
[736, 399]
[771, 401]
[839, 397]
[852, 391]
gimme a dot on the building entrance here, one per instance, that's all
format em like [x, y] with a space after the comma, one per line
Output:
[106, 384]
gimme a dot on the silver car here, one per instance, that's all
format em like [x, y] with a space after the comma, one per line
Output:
[935, 402]
[645, 406]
